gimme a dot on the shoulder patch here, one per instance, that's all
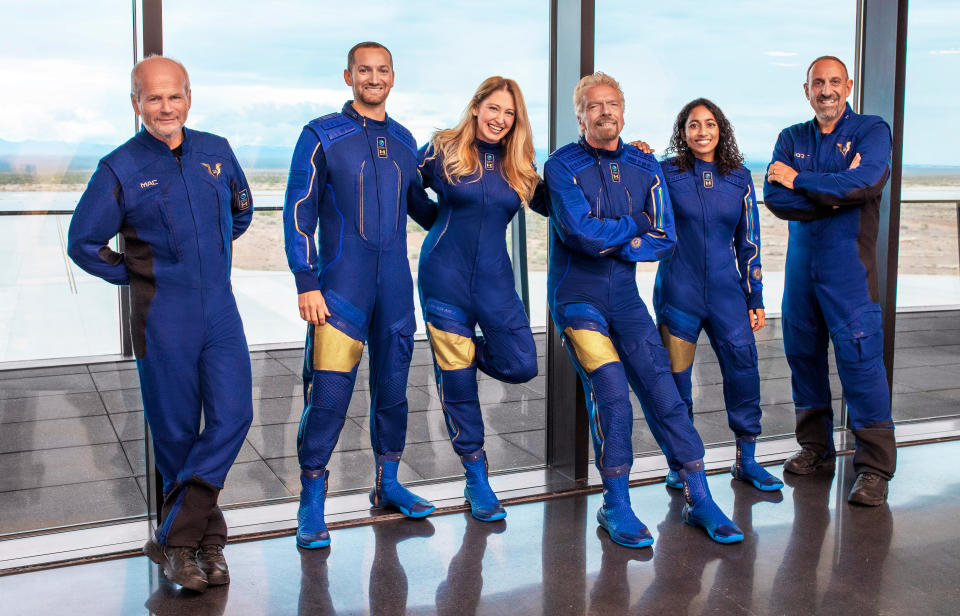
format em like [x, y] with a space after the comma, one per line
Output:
[333, 127]
[400, 132]
[633, 156]
[573, 156]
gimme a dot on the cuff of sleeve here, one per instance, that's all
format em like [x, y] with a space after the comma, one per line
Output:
[754, 301]
[306, 281]
[804, 180]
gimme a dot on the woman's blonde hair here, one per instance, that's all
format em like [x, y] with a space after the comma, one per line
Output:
[458, 151]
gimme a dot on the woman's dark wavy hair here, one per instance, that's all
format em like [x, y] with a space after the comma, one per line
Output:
[727, 156]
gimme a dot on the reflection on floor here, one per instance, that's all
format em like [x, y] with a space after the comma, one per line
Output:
[71, 438]
[806, 552]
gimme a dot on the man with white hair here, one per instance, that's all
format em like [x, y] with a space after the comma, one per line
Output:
[609, 208]
[179, 198]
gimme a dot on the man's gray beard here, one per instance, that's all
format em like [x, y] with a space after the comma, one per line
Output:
[608, 134]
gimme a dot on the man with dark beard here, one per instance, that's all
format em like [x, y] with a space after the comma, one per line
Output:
[826, 178]
[349, 183]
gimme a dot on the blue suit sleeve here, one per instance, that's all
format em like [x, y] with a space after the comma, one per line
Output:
[540, 203]
[783, 202]
[96, 220]
[852, 187]
[575, 223]
[301, 204]
[656, 232]
[241, 201]
[420, 206]
[746, 243]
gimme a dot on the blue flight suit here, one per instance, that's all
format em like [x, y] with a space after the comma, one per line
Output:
[348, 185]
[178, 212]
[465, 280]
[710, 282]
[608, 210]
[831, 289]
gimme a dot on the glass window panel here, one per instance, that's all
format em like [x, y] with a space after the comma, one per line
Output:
[927, 359]
[70, 107]
[71, 436]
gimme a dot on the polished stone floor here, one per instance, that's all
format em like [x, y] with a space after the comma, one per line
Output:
[807, 551]
[71, 437]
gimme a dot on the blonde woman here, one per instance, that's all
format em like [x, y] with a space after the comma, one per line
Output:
[483, 172]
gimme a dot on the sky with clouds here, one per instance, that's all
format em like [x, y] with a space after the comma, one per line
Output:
[262, 70]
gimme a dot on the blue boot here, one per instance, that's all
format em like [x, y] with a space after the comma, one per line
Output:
[700, 509]
[616, 516]
[746, 468]
[673, 480]
[311, 529]
[389, 492]
[484, 504]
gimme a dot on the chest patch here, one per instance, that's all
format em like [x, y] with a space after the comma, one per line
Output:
[615, 172]
[708, 179]
[488, 161]
[844, 148]
[149, 184]
[382, 147]
[215, 170]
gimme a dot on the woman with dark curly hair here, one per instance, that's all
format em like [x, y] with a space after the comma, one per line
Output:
[713, 280]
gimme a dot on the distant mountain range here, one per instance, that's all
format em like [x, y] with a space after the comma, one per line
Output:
[58, 156]
[54, 156]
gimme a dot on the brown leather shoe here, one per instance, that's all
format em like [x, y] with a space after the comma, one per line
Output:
[179, 565]
[870, 489]
[211, 560]
[807, 461]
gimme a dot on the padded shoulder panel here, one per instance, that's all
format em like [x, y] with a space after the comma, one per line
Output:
[573, 156]
[738, 177]
[400, 132]
[672, 172]
[633, 156]
[333, 127]
[208, 143]
[123, 162]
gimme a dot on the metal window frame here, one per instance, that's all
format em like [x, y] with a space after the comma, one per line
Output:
[572, 44]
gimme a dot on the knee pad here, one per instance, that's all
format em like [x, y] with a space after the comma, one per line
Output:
[679, 351]
[593, 349]
[450, 350]
[451, 340]
[333, 350]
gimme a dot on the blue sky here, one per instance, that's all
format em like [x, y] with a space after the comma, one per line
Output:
[261, 70]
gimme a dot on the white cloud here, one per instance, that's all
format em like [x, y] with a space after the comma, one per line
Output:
[789, 64]
[780, 54]
[945, 52]
[64, 99]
